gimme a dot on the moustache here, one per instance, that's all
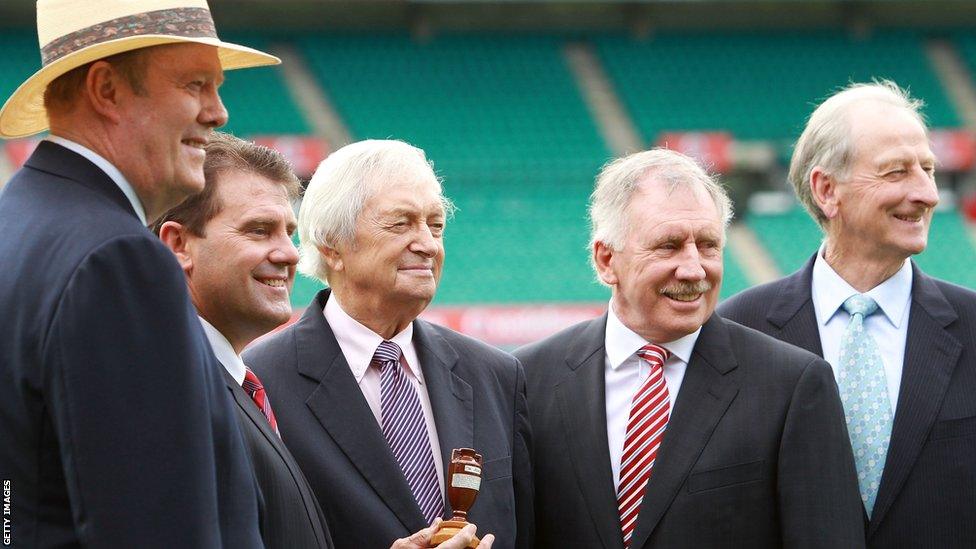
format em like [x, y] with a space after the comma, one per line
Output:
[686, 288]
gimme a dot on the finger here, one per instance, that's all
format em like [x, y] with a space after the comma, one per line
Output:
[419, 540]
[487, 541]
[461, 539]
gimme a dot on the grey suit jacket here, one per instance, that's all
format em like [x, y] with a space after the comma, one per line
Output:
[755, 454]
[477, 394]
[290, 517]
[927, 496]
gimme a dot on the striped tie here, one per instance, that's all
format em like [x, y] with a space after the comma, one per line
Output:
[253, 387]
[649, 414]
[405, 430]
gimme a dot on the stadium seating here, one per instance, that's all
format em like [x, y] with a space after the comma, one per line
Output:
[258, 99]
[759, 85]
[503, 121]
[792, 237]
[20, 59]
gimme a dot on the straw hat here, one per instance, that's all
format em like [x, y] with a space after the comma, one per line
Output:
[72, 33]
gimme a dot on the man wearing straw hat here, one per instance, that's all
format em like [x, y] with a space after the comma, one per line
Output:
[115, 423]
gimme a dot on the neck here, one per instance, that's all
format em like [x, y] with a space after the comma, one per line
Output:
[863, 272]
[384, 319]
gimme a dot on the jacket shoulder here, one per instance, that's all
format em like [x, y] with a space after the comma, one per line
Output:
[560, 341]
[468, 346]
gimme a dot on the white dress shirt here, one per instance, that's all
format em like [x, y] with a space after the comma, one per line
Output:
[625, 373]
[110, 170]
[888, 326]
[358, 343]
[224, 351]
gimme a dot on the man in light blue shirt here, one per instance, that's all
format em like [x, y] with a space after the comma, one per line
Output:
[900, 342]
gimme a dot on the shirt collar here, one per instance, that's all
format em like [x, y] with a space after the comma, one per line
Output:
[110, 170]
[830, 291]
[622, 343]
[224, 352]
[359, 343]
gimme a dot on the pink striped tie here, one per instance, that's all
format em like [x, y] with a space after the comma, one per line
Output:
[405, 430]
[649, 413]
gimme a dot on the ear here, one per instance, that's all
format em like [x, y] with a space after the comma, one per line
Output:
[823, 187]
[332, 257]
[103, 88]
[603, 259]
[175, 236]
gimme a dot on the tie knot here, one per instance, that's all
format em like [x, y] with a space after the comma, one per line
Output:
[387, 352]
[860, 304]
[251, 381]
[654, 354]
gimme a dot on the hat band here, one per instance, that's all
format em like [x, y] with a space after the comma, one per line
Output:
[183, 22]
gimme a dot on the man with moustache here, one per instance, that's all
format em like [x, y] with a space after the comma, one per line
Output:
[901, 342]
[115, 424]
[372, 400]
[661, 424]
[233, 241]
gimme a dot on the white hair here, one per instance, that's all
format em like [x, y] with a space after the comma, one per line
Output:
[826, 140]
[340, 187]
[620, 179]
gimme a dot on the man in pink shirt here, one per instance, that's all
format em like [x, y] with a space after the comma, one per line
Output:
[372, 400]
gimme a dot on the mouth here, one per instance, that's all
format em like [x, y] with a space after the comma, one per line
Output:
[909, 218]
[684, 298]
[274, 282]
[198, 143]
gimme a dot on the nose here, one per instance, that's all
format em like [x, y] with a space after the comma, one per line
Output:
[690, 267]
[212, 112]
[284, 253]
[924, 190]
[425, 243]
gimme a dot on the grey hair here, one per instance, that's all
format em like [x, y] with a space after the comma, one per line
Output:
[620, 179]
[340, 188]
[826, 140]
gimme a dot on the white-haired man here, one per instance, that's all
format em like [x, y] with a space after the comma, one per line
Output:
[900, 342]
[371, 400]
[661, 424]
[116, 428]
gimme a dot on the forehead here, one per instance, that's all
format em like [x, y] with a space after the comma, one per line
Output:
[178, 58]
[880, 130]
[656, 202]
[239, 192]
[410, 194]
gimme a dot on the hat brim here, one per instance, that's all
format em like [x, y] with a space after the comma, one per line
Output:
[23, 114]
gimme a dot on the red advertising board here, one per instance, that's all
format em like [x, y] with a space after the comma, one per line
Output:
[713, 150]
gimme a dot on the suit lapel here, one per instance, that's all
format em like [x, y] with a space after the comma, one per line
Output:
[931, 355]
[450, 396]
[705, 395]
[581, 396]
[792, 312]
[340, 407]
[254, 415]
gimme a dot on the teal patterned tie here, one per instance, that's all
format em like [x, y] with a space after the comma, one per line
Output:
[864, 392]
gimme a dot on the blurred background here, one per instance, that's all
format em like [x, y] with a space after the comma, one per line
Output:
[519, 104]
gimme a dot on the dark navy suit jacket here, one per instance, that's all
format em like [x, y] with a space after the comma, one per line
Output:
[927, 496]
[116, 429]
[477, 394]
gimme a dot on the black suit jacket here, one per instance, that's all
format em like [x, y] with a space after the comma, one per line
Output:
[927, 496]
[290, 516]
[755, 453]
[115, 425]
[477, 394]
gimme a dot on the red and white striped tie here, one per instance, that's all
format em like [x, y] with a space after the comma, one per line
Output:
[649, 413]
